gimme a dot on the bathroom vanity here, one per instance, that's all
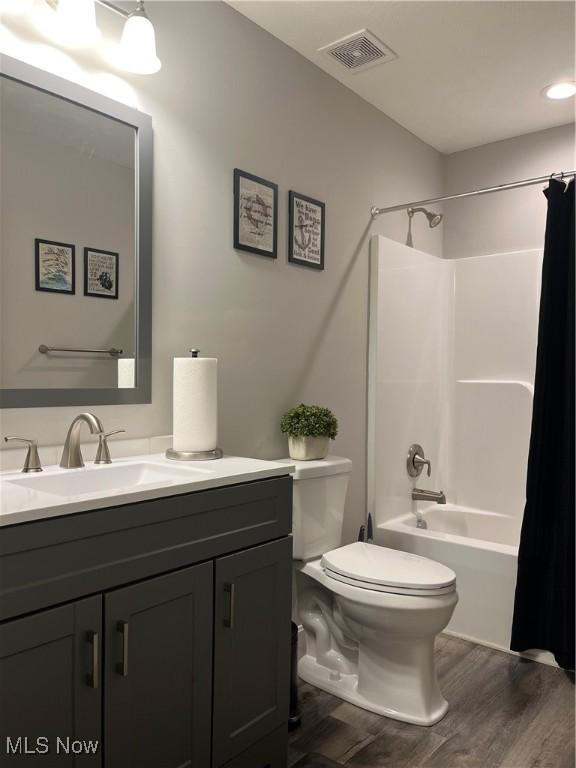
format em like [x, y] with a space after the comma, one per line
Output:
[154, 621]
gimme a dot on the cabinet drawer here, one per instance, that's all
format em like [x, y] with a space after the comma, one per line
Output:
[58, 560]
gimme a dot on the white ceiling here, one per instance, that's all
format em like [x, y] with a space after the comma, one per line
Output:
[468, 72]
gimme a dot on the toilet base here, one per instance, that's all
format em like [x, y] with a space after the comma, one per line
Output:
[346, 687]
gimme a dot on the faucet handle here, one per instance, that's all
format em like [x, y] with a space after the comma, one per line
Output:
[103, 452]
[32, 461]
[420, 461]
[416, 461]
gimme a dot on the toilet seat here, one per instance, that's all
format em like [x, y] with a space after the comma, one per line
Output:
[367, 566]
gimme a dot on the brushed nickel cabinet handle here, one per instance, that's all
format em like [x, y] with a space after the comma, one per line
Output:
[93, 678]
[122, 627]
[230, 589]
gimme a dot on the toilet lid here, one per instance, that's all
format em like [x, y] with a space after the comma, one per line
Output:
[375, 565]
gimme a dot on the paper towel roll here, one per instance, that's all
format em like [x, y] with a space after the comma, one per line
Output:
[126, 369]
[195, 406]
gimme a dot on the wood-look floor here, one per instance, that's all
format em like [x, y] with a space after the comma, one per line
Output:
[505, 712]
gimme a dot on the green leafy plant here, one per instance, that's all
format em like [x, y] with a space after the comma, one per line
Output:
[309, 421]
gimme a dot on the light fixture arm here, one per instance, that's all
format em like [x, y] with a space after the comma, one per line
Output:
[138, 11]
[114, 8]
[111, 7]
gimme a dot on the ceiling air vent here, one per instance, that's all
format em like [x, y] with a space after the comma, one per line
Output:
[359, 51]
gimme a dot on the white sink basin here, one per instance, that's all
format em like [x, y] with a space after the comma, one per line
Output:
[107, 478]
[57, 491]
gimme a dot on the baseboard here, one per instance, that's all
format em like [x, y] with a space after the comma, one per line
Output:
[542, 657]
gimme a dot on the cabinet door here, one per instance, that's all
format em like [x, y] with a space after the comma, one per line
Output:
[269, 752]
[50, 687]
[159, 671]
[251, 647]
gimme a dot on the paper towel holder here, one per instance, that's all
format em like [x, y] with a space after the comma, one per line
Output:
[217, 453]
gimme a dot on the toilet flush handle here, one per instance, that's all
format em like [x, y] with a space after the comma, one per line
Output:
[416, 461]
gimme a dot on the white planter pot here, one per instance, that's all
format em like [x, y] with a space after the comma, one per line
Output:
[308, 448]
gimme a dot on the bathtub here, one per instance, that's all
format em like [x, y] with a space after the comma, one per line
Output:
[481, 547]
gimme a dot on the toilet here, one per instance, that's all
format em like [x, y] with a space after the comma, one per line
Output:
[370, 614]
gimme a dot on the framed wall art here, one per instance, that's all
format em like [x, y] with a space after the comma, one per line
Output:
[255, 214]
[100, 273]
[55, 266]
[306, 223]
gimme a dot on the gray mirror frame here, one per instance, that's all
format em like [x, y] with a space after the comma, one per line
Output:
[142, 123]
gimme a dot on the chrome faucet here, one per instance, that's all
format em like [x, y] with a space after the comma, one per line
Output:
[421, 494]
[72, 455]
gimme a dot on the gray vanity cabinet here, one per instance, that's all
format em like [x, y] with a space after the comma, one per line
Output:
[158, 679]
[49, 665]
[161, 629]
[251, 647]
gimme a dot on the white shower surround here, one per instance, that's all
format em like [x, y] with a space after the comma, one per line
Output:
[451, 366]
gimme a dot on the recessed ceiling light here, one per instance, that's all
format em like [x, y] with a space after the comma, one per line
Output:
[560, 90]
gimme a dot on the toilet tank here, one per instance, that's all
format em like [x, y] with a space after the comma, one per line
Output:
[318, 505]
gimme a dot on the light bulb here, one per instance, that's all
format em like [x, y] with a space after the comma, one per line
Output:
[72, 24]
[137, 51]
[17, 7]
[560, 90]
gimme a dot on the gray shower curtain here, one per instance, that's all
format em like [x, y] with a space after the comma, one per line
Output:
[544, 601]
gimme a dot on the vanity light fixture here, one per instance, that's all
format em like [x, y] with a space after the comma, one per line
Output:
[562, 90]
[137, 50]
[73, 23]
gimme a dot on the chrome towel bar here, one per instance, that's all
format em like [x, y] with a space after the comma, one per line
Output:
[112, 351]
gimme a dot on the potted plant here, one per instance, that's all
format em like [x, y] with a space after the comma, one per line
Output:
[310, 429]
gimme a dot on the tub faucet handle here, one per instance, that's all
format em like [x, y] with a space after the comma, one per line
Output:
[416, 461]
[420, 461]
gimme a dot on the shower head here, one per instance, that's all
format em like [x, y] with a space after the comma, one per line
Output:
[433, 218]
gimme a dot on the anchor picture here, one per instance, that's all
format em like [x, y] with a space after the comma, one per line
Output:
[100, 273]
[306, 231]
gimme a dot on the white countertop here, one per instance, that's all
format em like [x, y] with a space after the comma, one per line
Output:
[55, 491]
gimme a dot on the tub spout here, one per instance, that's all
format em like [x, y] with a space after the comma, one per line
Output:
[420, 494]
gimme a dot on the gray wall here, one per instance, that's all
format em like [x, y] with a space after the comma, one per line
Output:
[230, 95]
[505, 221]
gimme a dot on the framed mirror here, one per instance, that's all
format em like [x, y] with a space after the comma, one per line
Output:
[75, 244]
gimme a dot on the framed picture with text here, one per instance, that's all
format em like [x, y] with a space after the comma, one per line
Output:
[100, 273]
[55, 266]
[306, 224]
[255, 214]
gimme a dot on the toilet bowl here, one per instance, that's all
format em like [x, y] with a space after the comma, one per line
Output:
[370, 614]
[372, 643]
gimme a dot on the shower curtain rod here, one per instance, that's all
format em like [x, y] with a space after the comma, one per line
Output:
[487, 190]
